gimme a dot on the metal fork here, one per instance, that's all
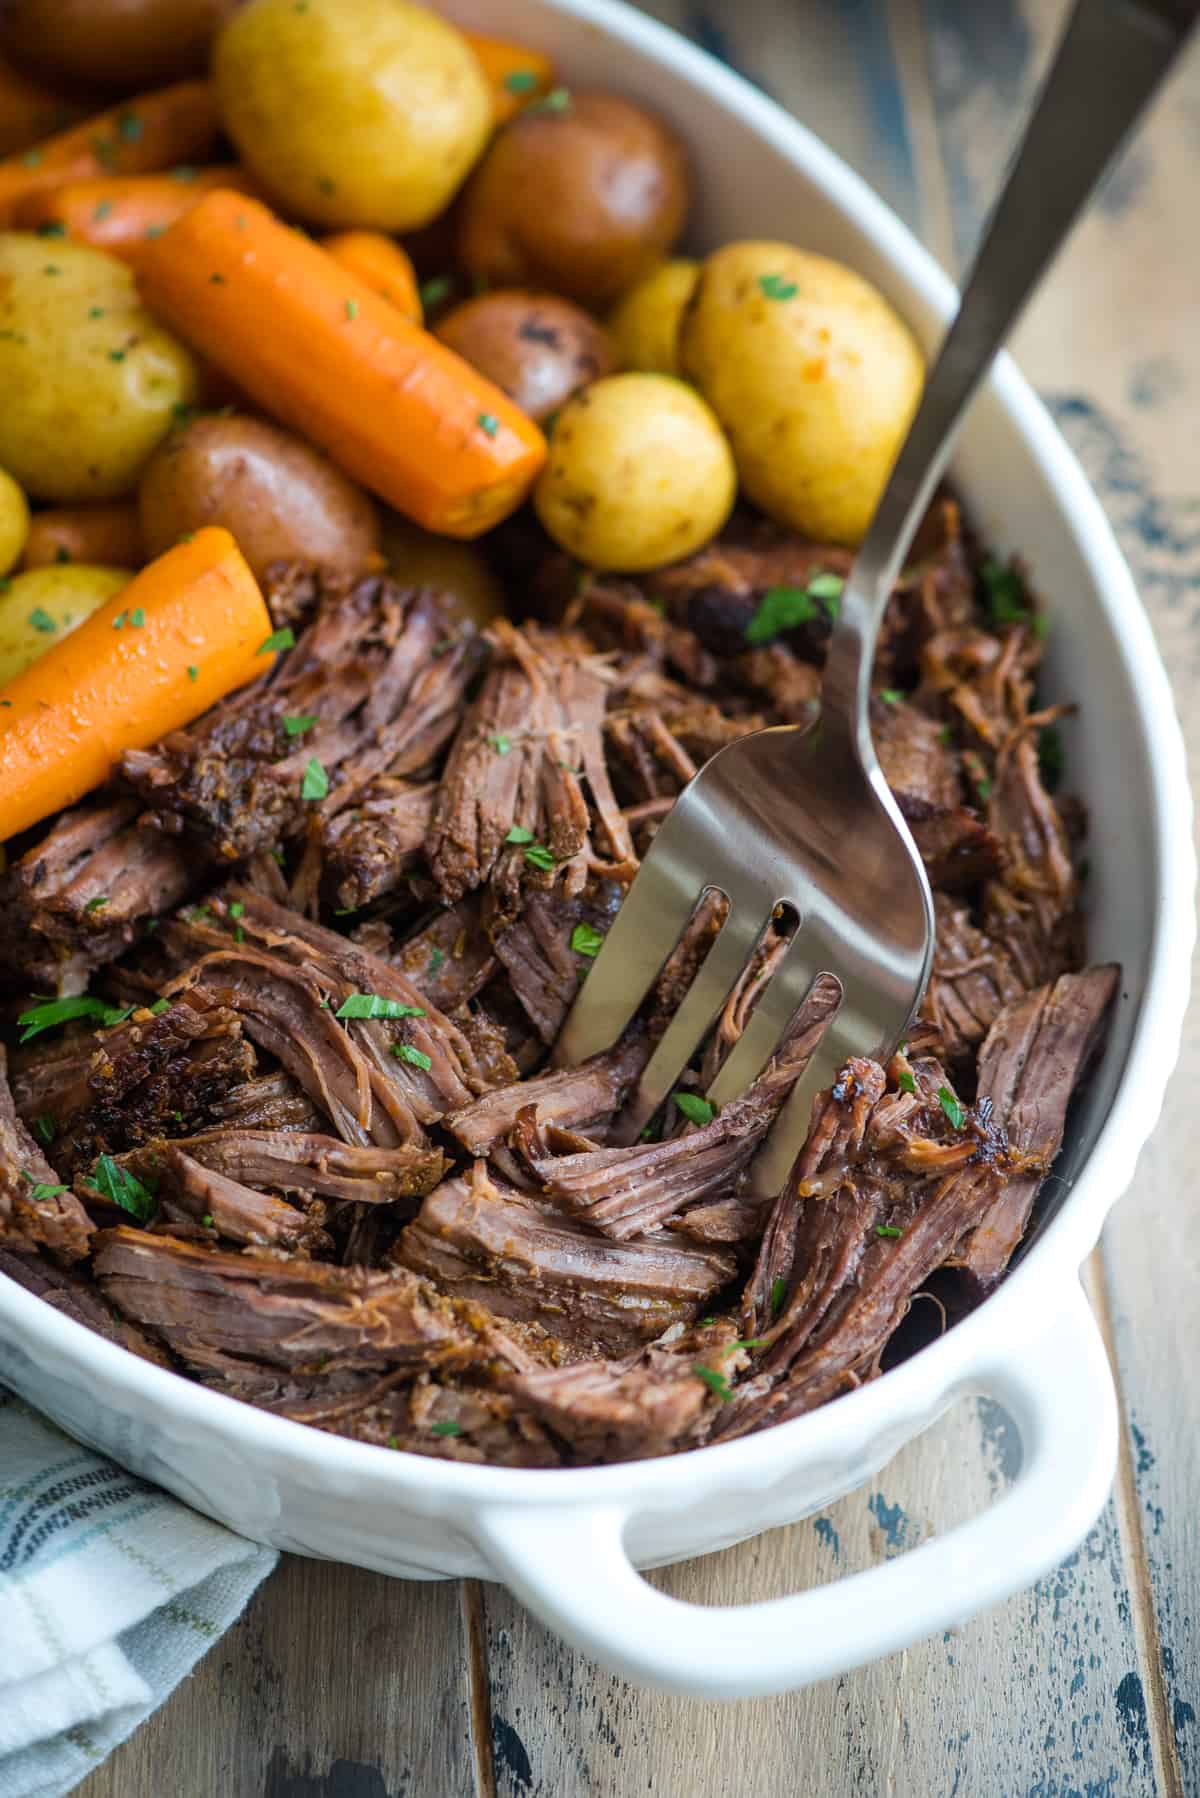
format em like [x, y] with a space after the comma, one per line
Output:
[804, 819]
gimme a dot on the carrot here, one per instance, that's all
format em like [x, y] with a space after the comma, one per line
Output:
[120, 213]
[382, 264]
[185, 632]
[154, 131]
[315, 348]
[108, 536]
[515, 74]
[29, 111]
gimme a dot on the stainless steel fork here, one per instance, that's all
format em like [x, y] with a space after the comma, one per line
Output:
[804, 819]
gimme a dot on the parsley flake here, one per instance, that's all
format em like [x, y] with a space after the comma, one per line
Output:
[193, 671]
[315, 784]
[120, 1187]
[282, 639]
[45, 1129]
[237, 908]
[436, 958]
[41, 1189]
[716, 1382]
[298, 722]
[52, 228]
[783, 608]
[434, 291]
[41, 620]
[519, 834]
[778, 1293]
[1052, 759]
[887, 1230]
[488, 422]
[557, 100]
[116, 355]
[415, 1057]
[951, 1107]
[585, 940]
[137, 617]
[129, 126]
[373, 1005]
[97, 902]
[501, 744]
[1007, 599]
[48, 1013]
[891, 695]
[449, 1426]
[351, 309]
[206, 1222]
[520, 81]
[539, 856]
[102, 209]
[777, 287]
[695, 1109]
[905, 1082]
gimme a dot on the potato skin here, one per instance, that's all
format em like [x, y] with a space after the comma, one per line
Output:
[639, 474]
[645, 325]
[127, 45]
[90, 380]
[583, 200]
[814, 377]
[59, 598]
[535, 346]
[361, 113]
[279, 497]
[14, 522]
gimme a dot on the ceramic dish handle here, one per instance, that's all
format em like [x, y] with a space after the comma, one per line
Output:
[571, 1569]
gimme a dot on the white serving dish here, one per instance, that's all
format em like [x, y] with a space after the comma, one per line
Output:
[568, 1543]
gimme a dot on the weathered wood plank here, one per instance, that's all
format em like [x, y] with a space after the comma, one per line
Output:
[334, 1684]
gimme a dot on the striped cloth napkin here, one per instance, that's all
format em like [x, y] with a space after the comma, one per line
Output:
[110, 1591]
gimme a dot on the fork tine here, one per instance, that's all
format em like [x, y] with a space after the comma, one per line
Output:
[785, 992]
[708, 992]
[785, 1139]
[650, 922]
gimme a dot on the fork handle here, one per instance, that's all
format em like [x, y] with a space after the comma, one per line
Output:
[1112, 58]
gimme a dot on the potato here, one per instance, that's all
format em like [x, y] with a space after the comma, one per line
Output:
[44, 605]
[90, 382]
[420, 559]
[353, 112]
[814, 377]
[583, 198]
[538, 348]
[639, 474]
[645, 325]
[280, 498]
[126, 45]
[14, 522]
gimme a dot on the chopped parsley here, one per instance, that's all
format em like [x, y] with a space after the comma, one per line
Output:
[946, 735]
[538, 856]
[951, 1107]
[520, 81]
[891, 695]
[488, 422]
[193, 671]
[206, 1222]
[1008, 601]
[434, 291]
[116, 355]
[372, 1005]
[586, 940]
[501, 744]
[887, 1230]
[905, 1082]
[48, 1013]
[41, 620]
[41, 1189]
[282, 639]
[298, 722]
[777, 287]
[315, 784]
[716, 1382]
[449, 1426]
[519, 834]
[1052, 758]
[160, 1005]
[95, 312]
[695, 1109]
[237, 908]
[415, 1057]
[52, 228]
[436, 958]
[783, 608]
[778, 1293]
[137, 617]
[352, 309]
[31, 158]
[557, 100]
[129, 126]
[123, 1188]
[97, 902]
[217, 279]
[45, 1129]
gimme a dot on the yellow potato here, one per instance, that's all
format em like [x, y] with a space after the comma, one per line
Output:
[14, 522]
[42, 606]
[645, 326]
[353, 112]
[639, 474]
[89, 381]
[812, 374]
[420, 559]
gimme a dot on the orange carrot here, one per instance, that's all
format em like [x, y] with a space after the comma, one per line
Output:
[185, 632]
[108, 536]
[515, 74]
[315, 348]
[29, 111]
[154, 131]
[382, 264]
[120, 213]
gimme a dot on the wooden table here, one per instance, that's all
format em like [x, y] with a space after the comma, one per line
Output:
[341, 1684]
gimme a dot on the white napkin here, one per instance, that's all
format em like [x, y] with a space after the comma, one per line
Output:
[110, 1591]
